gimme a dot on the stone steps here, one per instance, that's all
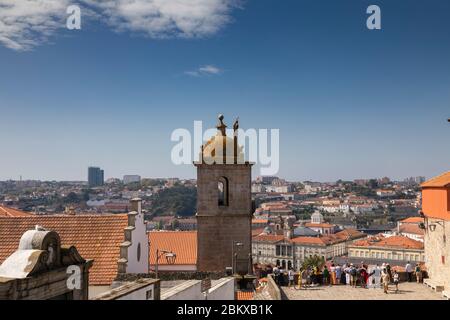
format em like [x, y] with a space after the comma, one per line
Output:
[433, 285]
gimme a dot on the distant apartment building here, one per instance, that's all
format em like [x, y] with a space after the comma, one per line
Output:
[96, 177]
[132, 178]
[386, 193]
[312, 187]
[275, 209]
[258, 188]
[279, 188]
[415, 180]
[266, 179]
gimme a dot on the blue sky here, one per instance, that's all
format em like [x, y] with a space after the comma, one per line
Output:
[349, 102]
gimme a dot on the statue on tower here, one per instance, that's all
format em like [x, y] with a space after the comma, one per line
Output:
[236, 125]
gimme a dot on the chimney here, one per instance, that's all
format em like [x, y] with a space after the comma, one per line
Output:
[70, 210]
[136, 205]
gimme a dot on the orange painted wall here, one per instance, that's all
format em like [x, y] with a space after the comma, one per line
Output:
[436, 203]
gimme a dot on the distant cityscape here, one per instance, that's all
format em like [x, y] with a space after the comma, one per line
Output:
[363, 203]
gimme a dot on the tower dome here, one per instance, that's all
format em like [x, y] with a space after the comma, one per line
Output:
[316, 218]
[222, 149]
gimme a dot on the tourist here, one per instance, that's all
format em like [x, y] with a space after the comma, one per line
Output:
[290, 277]
[316, 272]
[326, 276]
[364, 277]
[343, 275]
[333, 274]
[385, 278]
[276, 274]
[371, 272]
[396, 277]
[338, 272]
[347, 274]
[281, 278]
[309, 276]
[388, 268]
[409, 271]
[418, 273]
[377, 276]
[353, 275]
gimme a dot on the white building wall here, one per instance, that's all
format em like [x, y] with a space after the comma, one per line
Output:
[139, 238]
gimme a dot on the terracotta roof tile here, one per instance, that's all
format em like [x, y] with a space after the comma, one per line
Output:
[440, 181]
[182, 243]
[11, 212]
[268, 237]
[350, 234]
[389, 242]
[96, 237]
[412, 220]
[309, 240]
[411, 228]
[244, 295]
[318, 225]
[256, 232]
[259, 221]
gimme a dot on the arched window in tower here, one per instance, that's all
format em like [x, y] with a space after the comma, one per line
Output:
[223, 191]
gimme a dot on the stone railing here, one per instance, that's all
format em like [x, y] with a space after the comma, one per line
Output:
[169, 276]
[272, 288]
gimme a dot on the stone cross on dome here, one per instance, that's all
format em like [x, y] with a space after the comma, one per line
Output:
[221, 126]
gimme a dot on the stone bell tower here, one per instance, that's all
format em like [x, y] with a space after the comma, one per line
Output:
[224, 205]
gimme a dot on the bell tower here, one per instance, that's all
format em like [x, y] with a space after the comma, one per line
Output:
[224, 205]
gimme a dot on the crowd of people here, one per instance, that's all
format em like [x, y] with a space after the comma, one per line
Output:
[362, 275]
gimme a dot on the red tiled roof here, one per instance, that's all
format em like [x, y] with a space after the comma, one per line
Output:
[440, 181]
[322, 240]
[268, 237]
[256, 232]
[411, 228]
[244, 295]
[259, 221]
[412, 220]
[390, 242]
[318, 225]
[182, 243]
[309, 240]
[10, 212]
[96, 237]
[350, 234]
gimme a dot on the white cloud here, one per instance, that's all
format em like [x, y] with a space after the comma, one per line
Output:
[206, 70]
[27, 23]
[166, 18]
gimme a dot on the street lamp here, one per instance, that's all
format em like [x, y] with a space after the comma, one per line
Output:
[234, 254]
[170, 258]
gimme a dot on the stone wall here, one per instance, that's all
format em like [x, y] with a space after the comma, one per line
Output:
[437, 251]
[272, 288]
[169, 276]
[219, 226]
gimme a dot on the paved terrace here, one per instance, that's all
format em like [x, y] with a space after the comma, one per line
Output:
[407, 291]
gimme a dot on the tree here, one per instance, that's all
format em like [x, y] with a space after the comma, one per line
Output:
[314, 261]
[177, 201]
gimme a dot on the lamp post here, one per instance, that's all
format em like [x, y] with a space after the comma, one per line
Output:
[234, 254]
[170, 258]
